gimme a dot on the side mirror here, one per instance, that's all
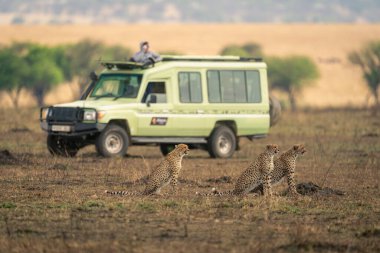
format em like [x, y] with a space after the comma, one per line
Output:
[93, 76]
[152, 99]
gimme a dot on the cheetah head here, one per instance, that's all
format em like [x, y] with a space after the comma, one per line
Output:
[299, 149]
[273, 148]
[183, 149]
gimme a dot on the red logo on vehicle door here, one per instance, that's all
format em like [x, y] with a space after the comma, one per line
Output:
[158, 121]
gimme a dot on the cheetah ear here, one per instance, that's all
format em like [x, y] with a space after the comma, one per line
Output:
[175, 146]
[297, 146]
[269, 146]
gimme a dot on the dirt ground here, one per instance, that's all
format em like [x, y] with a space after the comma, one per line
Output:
[50, 204]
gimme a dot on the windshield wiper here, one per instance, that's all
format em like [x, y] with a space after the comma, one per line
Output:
[117, 97]
[104, 95]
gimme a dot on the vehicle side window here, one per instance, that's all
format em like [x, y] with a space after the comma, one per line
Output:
[213, 86]
[253, 86]
[156, 89]
[190, 87]
[233, 86]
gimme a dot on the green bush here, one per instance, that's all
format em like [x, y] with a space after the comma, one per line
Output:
[291, 74]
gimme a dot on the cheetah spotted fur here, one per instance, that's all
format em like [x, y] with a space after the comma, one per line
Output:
[166, 172]
[285, 166]
[257, 173]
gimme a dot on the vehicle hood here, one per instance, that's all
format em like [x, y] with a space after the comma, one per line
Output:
[98, 104]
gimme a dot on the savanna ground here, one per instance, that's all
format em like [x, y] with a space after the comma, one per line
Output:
[50, 204]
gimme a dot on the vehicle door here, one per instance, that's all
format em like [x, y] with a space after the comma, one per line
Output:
[155, 109]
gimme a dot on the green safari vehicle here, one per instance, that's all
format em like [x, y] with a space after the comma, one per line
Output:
[205, 102]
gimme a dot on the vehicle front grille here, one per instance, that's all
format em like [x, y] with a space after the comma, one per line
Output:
[64, 114]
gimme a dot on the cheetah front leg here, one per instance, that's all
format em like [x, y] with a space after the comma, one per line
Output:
[267, 185]
[292, 184]
[173, 183]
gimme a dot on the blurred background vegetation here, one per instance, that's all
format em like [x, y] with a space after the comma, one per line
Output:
[38, 69]
[112, 11]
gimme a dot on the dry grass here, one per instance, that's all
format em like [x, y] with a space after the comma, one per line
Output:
[52, 204]
[340, 84]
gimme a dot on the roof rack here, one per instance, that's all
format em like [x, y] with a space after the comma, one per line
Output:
[216, 58]
[123, 65]
[128, 65]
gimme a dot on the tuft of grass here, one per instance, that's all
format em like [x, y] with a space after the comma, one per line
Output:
[119, 206]
[89, 205]
[146, 207]
[291, 209]
[94, 204]
[170, 204]
[372, 232]
[8, 205]
[58, 206]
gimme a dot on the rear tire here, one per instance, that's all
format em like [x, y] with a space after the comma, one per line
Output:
[222, 143]
[61, 146]
[166, 148]
[274, 110]
[113, 141]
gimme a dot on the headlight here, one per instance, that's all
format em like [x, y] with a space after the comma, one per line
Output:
[44, 113]
[89, 115]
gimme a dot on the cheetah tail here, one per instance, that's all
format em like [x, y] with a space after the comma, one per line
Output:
[122, 193]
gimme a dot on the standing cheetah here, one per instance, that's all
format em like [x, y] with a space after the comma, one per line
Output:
[285, 165]
[257, 173]
[166, 172]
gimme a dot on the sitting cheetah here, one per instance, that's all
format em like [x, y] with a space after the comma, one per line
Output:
[257, 173]
[285, 166]
[166, 172]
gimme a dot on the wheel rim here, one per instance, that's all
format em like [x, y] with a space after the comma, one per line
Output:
[224, 144]
[114, 143]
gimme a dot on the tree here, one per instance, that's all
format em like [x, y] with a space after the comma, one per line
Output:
[291, 74]
[13, 73]
[44, 72]
[368, 59]
[84, 57]
[62, 61]
[246, 50]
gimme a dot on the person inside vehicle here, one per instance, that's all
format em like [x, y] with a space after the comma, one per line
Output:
[144, 55]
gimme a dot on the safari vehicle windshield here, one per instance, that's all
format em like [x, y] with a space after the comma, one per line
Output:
[117, 86]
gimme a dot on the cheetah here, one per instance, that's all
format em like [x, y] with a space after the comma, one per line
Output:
[166, 172]
[257, 173]
[284, 166]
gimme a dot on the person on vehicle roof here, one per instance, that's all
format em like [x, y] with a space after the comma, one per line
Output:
[144, 55]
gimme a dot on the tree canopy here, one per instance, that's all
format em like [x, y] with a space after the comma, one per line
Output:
[45, 72]
[13, 74]
[39, 68]
[246, 50]
[84, 57]
[368, 59]
[291, 74]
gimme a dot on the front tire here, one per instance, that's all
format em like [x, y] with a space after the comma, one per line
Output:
[113, 141]
[222, 143]
[60, 146]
